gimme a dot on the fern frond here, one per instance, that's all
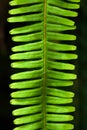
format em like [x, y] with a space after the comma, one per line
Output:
[43, 53]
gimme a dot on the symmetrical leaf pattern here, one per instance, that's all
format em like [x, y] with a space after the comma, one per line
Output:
[41, 55]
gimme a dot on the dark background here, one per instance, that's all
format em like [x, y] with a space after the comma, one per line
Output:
[6, 118]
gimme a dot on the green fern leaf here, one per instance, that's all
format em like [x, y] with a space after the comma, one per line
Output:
[42, 56]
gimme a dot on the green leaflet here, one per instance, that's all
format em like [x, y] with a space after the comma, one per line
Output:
[42, 55]
[34, 109]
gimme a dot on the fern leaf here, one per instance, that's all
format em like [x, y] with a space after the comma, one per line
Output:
[42, 55]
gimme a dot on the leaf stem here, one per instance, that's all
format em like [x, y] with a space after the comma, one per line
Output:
[44, 74]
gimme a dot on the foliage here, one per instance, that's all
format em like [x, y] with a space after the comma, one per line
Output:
[42, 55]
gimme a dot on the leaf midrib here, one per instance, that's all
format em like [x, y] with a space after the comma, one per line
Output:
[44, 66]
